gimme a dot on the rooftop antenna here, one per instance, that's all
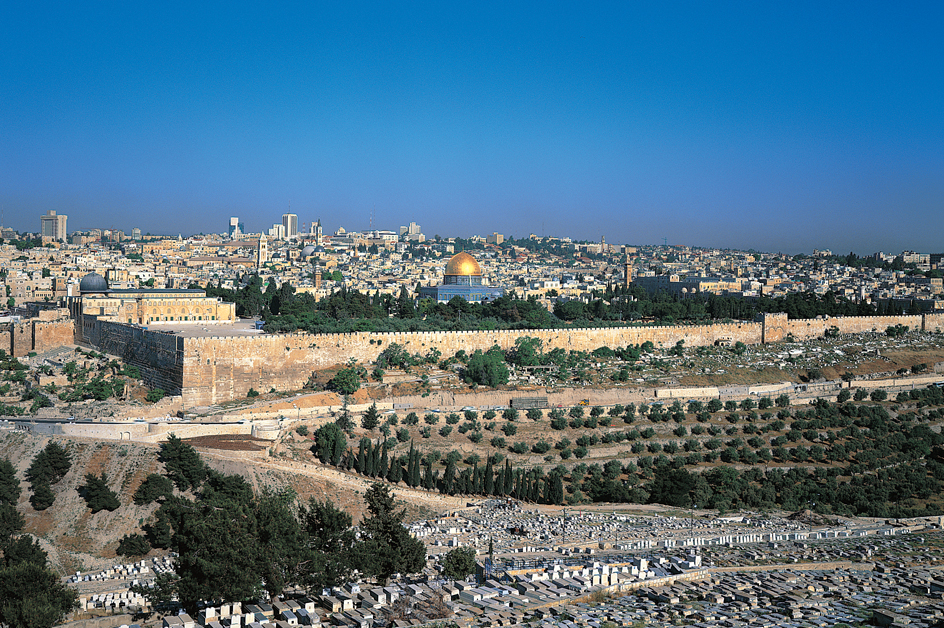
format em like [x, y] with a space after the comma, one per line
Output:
[665, 242]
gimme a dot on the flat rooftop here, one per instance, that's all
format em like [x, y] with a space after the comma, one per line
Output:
[203, 329]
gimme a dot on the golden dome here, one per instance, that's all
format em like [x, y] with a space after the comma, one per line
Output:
[463, 264]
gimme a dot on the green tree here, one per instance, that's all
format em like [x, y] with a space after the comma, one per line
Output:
[182, 463]
[331, 540]
[280, 543]
[371, 418]
[387, 548]
[32, 596]
[50, 465]
[133, 545]
[486, 369]
[330, 443]
[154, 395]
[346, 381]
[42, 497]
[97, 495]
[9, 484]
[153, 487]
[459, 563]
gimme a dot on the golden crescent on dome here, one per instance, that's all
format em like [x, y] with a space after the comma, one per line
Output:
[463, 264]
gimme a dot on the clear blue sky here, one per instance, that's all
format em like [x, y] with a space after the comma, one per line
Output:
[781, 126]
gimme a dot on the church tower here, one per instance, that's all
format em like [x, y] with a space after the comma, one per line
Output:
[262, 254]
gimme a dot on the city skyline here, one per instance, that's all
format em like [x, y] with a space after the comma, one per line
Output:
[775, 128]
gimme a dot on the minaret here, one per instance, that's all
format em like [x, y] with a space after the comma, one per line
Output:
[262, 254]
[627, 274]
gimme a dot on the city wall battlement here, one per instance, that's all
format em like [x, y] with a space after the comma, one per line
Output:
[215, 369]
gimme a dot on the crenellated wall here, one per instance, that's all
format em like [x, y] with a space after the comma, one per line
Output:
[211, 370]
[222, 368]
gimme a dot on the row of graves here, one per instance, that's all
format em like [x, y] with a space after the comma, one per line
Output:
[491, 602]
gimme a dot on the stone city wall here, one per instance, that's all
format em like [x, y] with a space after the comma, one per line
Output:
[777, 327]
[158, 355]
[219, 369]
[211, 370]
[52, 334]
[21, 337]
[6, 338]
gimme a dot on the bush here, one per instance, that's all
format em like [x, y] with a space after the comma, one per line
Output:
[541, 447]
[580, 452]
[860, 394]
[155, 395]
[431, 419]
[535, 414]
[425, 432]
[302, 430]
[576, 412]
[403, 434]
[878, 395]
[452, 418]
[445, 430]
[510, 414]
[559, 423]
[475, 437]
[252, 393]
[412, 419]
[510, 429]
[844, 395]
[520, 448]
[497, 442]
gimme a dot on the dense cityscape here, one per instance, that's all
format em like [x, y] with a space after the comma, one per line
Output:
[451, 315]
[772, 528]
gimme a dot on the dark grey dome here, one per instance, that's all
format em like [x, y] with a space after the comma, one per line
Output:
[93, 282]
[308, 250]
[319, 249]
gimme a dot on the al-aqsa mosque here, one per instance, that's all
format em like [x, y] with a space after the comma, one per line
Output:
[462, 278]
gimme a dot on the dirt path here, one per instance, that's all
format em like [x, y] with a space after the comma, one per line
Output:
[353, 482]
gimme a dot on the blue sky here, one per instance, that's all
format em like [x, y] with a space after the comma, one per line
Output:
[775, 126]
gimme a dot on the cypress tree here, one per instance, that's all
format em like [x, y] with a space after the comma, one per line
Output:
[375, 460]
[449, 477]
[428, 482]
[489, 478]
[476, 487]
[384, 462]
[395, 472]
[360, 464]
[338, 451]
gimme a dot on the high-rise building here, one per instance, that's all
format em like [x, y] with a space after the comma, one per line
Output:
[277, 231]
[235, 227]
[53, 226]
[290, 222]
[135, 234]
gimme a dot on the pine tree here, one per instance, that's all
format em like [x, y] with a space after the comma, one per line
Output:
[371, 418]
